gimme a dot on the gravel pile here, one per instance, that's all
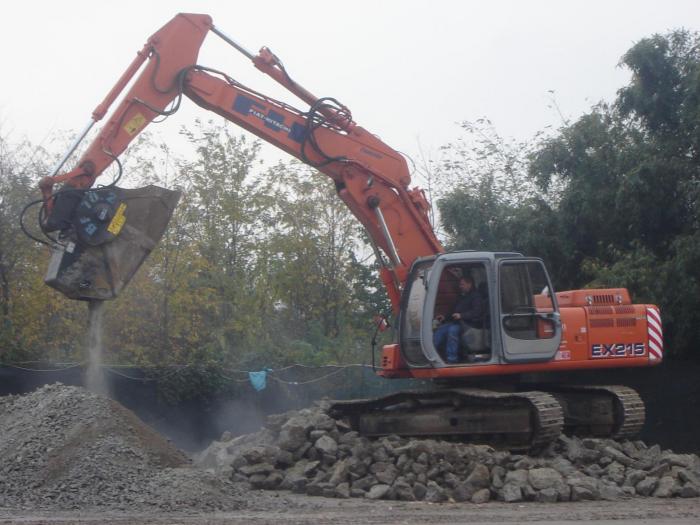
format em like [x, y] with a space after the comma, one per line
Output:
[309, 452]
[63, 447]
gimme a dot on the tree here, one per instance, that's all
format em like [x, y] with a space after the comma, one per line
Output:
[34, 324]
[488, 200]
[608, 200]
[224, 205]
[312, 263]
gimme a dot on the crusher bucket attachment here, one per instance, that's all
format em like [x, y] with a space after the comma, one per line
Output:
[106, 239]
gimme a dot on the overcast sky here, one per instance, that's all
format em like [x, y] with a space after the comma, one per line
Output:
[408, 70]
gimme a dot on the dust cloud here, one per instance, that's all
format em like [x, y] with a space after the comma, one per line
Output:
[95, 380]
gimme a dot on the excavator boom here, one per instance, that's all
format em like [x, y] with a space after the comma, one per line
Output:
[370, 177]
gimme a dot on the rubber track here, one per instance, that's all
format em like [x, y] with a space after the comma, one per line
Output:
[547, 413]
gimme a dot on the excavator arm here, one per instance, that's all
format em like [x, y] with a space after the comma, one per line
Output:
[169, 52]
[370, 177]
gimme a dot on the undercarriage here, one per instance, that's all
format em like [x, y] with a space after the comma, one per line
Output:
[518, 421]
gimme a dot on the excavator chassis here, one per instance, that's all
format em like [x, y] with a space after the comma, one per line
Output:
[517, 421]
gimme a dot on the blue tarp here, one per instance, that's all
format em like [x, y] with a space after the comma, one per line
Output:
[258, 379]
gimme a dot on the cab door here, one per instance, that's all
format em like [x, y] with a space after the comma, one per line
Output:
[530, 324]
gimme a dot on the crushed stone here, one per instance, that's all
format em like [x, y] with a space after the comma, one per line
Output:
[309, 452]
[62, 447]
[65, 448]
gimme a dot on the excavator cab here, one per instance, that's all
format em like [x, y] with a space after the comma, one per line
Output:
[519, 320]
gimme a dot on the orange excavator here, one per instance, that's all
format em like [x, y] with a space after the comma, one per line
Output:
[100, 235]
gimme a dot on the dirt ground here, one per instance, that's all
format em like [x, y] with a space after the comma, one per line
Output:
[283, 507]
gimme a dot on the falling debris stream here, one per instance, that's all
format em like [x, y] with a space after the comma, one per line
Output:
[95, 379]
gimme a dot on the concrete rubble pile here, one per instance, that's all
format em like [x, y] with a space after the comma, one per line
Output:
[309, 452]
[62, 447]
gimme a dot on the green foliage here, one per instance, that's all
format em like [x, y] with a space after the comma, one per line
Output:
[32, 324]
[493, 203]
[616, 200]
[664, 93]
[202, 381]
[257, 269]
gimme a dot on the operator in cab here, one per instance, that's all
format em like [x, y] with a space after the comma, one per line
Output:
[468, 311]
